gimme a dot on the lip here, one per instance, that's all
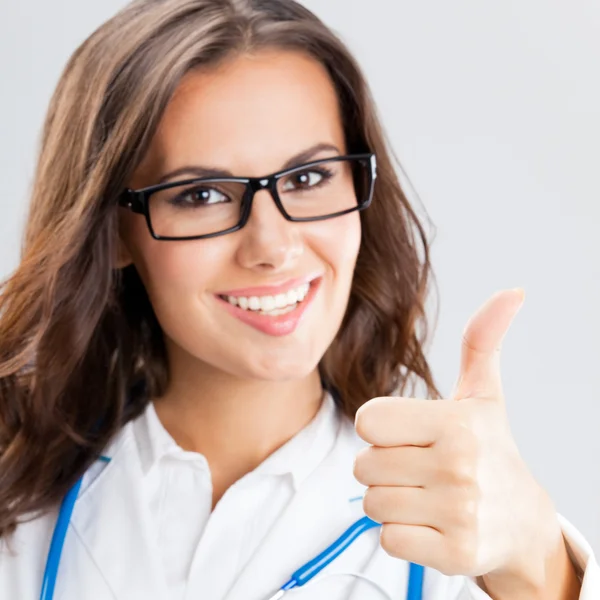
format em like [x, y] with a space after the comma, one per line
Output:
[271, 290]
[278, 325]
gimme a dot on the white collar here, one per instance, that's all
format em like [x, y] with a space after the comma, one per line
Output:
[297, 458]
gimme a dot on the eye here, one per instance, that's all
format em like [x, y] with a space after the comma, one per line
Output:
[198, 196]
[303, 180]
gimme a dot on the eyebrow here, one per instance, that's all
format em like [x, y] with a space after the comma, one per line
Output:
[296, 160]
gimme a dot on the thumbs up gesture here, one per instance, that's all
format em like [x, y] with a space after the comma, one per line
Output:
[445, 477]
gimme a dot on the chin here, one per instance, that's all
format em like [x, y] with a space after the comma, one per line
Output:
[280, 369]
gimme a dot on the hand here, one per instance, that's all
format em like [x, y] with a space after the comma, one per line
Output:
[445, 477]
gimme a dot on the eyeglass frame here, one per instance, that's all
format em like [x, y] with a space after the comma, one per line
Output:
[138, 200]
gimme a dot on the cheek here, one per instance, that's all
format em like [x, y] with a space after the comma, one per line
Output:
[176, 274]
[338, 242]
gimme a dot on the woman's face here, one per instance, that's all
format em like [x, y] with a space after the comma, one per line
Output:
[249, 116]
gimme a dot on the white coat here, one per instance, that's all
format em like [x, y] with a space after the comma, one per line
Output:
[111, 554]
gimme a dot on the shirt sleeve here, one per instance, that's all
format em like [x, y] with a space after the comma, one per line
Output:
[581, 555]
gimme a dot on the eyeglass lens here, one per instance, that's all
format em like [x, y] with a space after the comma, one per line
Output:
[215, 205]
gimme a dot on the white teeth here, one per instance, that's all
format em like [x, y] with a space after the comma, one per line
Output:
[282, 311]
[267, 303]
[273, 305]
[303, 291]
[280, 300]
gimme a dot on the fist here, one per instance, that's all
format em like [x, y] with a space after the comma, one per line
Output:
[445, 477]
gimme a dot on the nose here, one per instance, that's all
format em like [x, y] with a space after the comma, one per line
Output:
[268, 241]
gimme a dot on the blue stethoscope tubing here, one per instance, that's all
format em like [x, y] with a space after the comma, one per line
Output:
[303, 575]
[58, 541]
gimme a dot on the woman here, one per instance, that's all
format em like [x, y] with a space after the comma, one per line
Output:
[220, 269]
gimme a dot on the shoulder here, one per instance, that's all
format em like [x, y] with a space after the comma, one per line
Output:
[24, 553]
[30, 541]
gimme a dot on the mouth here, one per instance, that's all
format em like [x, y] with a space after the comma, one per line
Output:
[274, 314]
[272, 304]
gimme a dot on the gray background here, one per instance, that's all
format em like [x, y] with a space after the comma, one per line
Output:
[493, 110]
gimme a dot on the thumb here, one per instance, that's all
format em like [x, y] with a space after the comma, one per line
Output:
[479, 375]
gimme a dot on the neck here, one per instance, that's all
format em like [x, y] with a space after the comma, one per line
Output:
[235, 423]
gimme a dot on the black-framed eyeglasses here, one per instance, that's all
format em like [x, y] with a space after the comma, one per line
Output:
[210, 206]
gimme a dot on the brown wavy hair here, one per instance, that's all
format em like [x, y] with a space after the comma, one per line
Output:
[81, 351]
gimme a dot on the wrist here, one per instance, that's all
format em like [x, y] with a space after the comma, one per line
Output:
[552, 576]
[541, 568]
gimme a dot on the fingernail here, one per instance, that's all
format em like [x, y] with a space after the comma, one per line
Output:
[520, 291]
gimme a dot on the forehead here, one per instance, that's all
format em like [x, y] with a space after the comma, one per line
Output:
[248, 115]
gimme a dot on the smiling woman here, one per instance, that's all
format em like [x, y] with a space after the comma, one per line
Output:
[218, 274]
[263, 251]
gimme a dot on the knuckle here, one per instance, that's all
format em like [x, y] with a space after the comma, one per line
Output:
[466, 508]
[463, 472]
[458, 468]
[461, 452]
[462, 556]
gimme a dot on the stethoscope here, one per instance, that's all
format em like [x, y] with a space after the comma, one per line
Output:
[299, 578]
